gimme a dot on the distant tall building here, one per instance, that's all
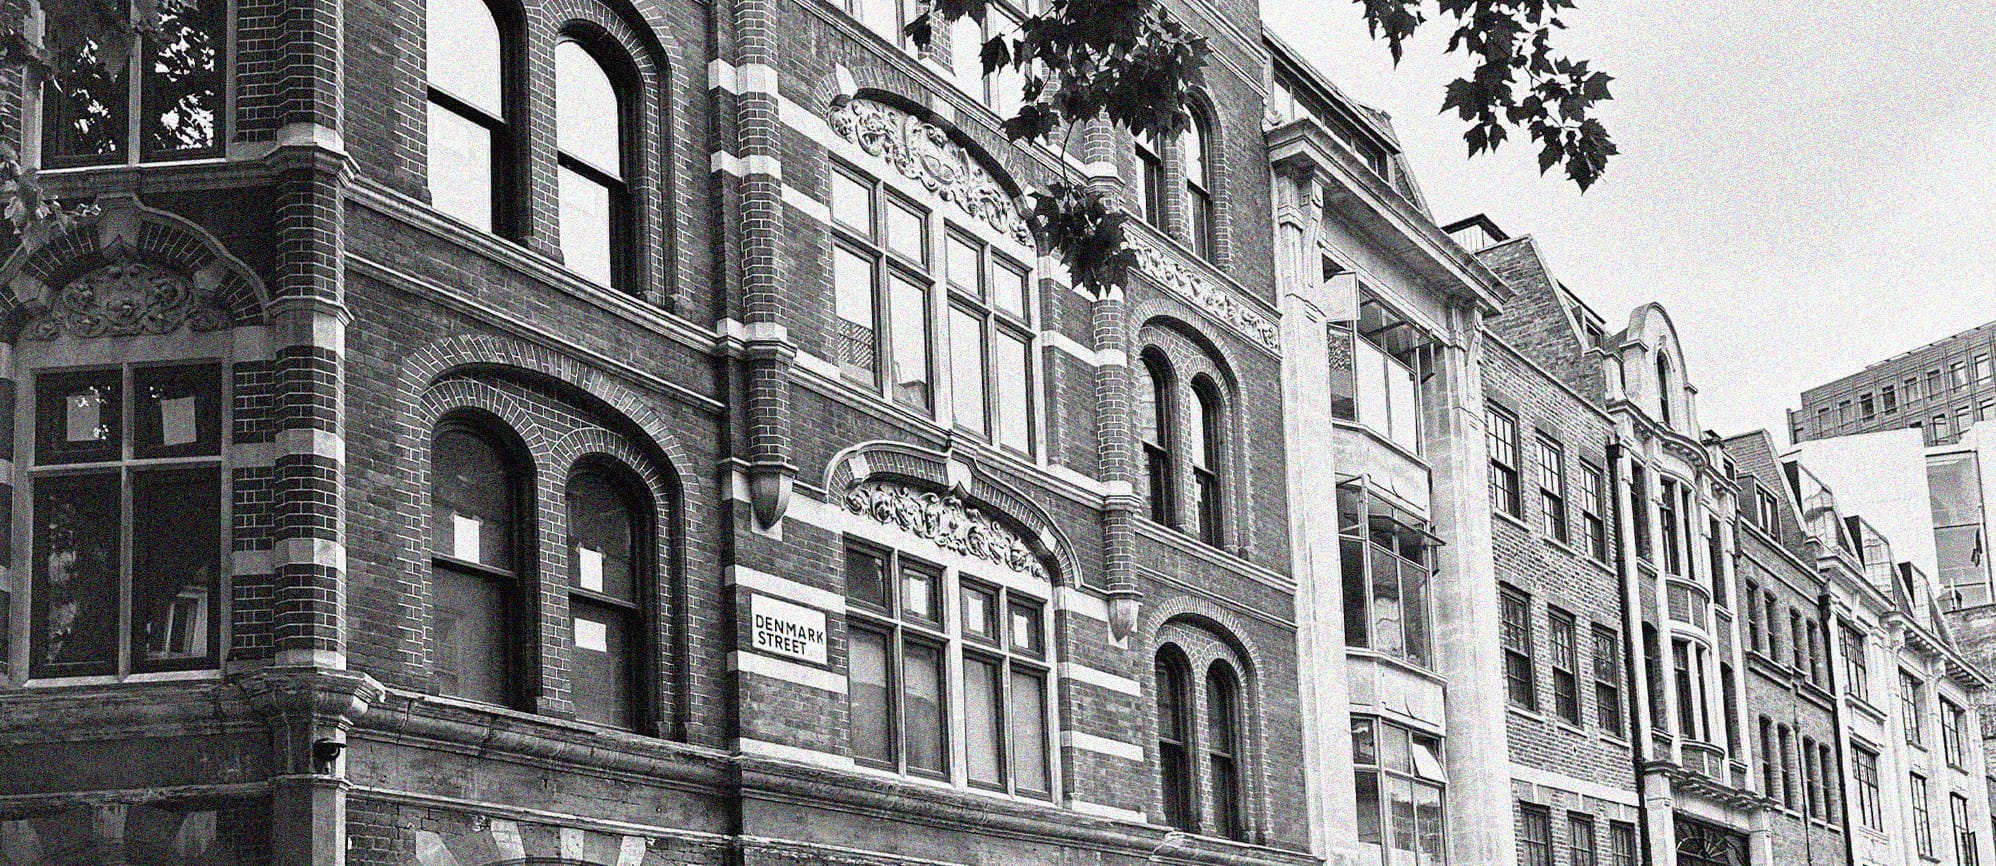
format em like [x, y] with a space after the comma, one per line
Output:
[1941, 388]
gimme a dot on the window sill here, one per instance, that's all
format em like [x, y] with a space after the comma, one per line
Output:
[1534, 715]
[1510, 518]
[126, 680]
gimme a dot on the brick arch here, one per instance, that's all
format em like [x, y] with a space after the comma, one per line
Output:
[222, 291]
[1170, 620]
[1193, 354]
[1203, 108]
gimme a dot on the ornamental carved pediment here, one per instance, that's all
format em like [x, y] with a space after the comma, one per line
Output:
[946, 520]
[125, 299]
[1216, 301]
[923, 152]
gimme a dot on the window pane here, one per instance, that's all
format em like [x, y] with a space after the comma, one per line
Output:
[78, 417]
[881, 16]
[471, 501]
[1192, 145]
[852, 279]
[601, 535]
[1414, 601]
[77, 553]
[1009, 359]
[1428, 814]
[981, 722]
[962, 263]
[866, 578]
[1358, 619]
[85, 124]
[587, 116]
[601, 663]
[907, 230]
[872, 716]
[918, 592]
[978, 609]
[1026, 636]
[852, 203]
[1387, 635]
[1008, 287]
[924, 704]
[1400, 808]
[176, 566]
[464, 53]
[1370, 840]
[470, 619]
[1220, 713]
[460, 167]
[1029, 732]
[586, 245]
[182, 79]
[966, 339]
[908, 304]
[179, 411]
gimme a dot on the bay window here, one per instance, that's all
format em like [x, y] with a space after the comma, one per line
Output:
[1375, 375]
[1384, 552]
[1401, 792]
[127, 543]
[162, 103]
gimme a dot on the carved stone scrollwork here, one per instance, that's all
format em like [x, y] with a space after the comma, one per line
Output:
[924, 153]
[1211, 298]
[126, 299]
[945, 520]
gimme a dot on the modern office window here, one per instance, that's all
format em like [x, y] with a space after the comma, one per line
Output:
[1223, 746]
[1593, 523]
[1402, 793]
[1912, 708]
[1581, 846]
[1174, 739]
[162, 103]
[1520, 681]
[1621, 844]
[608, 528]
[126, 494]
[478, 551]
[1551, 466]
[1864, 767]
[1965, 853]
[1953, 744]
[1857, 672]
[593, 134]
[1195, 150]
[1385, 555]
[1208, 455]
[1560, 637]
[1608, 679]
[1535, 835]
[471, 109]
[1150, 192]
[1502, 436]
[1154, 425]
[1923, 822]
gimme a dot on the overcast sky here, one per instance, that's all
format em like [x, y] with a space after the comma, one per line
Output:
[1808, 187]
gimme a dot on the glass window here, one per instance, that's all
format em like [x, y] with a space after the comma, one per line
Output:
[1154, 414]
[1223, 737]
[1194, 148]
[130, 530]
[966, 346]
[1208, 462]
[1401, 794]
[590, 141]
[1608, 679]
[1912, 706]
[468, 111]
[1857, 674]
[990, 347]
[1535, 835]
[1621, 844]
[1864, 765]
[1150, 191]
[1593, 525]
[1953, 746]
[1565, 677]
[474, 499]
[1580, 844]
[1502, 436]
[1923, 824]
[1552, 487]
[1965, 853]
[1174, 739]
[1387, 576]
[1519, 679]
[607, 527]
[908, 341]
[162, 103]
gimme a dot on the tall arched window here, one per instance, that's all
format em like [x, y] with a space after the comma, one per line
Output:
[470, 129]
[1154, 427]
[591, 132]
[475, 499]
[1194, 148]
[1223, 750]
[1150, 170]
[1663, 388]
[607, 528]
[1174, 738]
[1205, 450]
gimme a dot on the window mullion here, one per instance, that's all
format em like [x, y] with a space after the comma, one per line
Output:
[134, 94]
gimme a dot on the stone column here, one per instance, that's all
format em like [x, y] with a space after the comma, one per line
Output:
[309, 711]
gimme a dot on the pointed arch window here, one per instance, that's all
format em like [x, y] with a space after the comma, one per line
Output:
[470, 123]
[1223, 750]
[1154, 426]
[608, 524]
[592, 134]
[1174, 739]
[1206, 450]
[476, 558]
[1195, 150]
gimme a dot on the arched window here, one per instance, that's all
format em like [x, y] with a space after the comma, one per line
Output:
[1174, 738]
[1223, 750]
[607, 528]
[1663, 388]
[475, 499]
[470, 128]
[1154, 427]
[591, 134]
[1204, 448]
[1150, 168]
[1194, 148]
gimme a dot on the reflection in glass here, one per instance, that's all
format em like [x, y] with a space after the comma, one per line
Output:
[76, 561]
[182, 79]
[176, 565]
